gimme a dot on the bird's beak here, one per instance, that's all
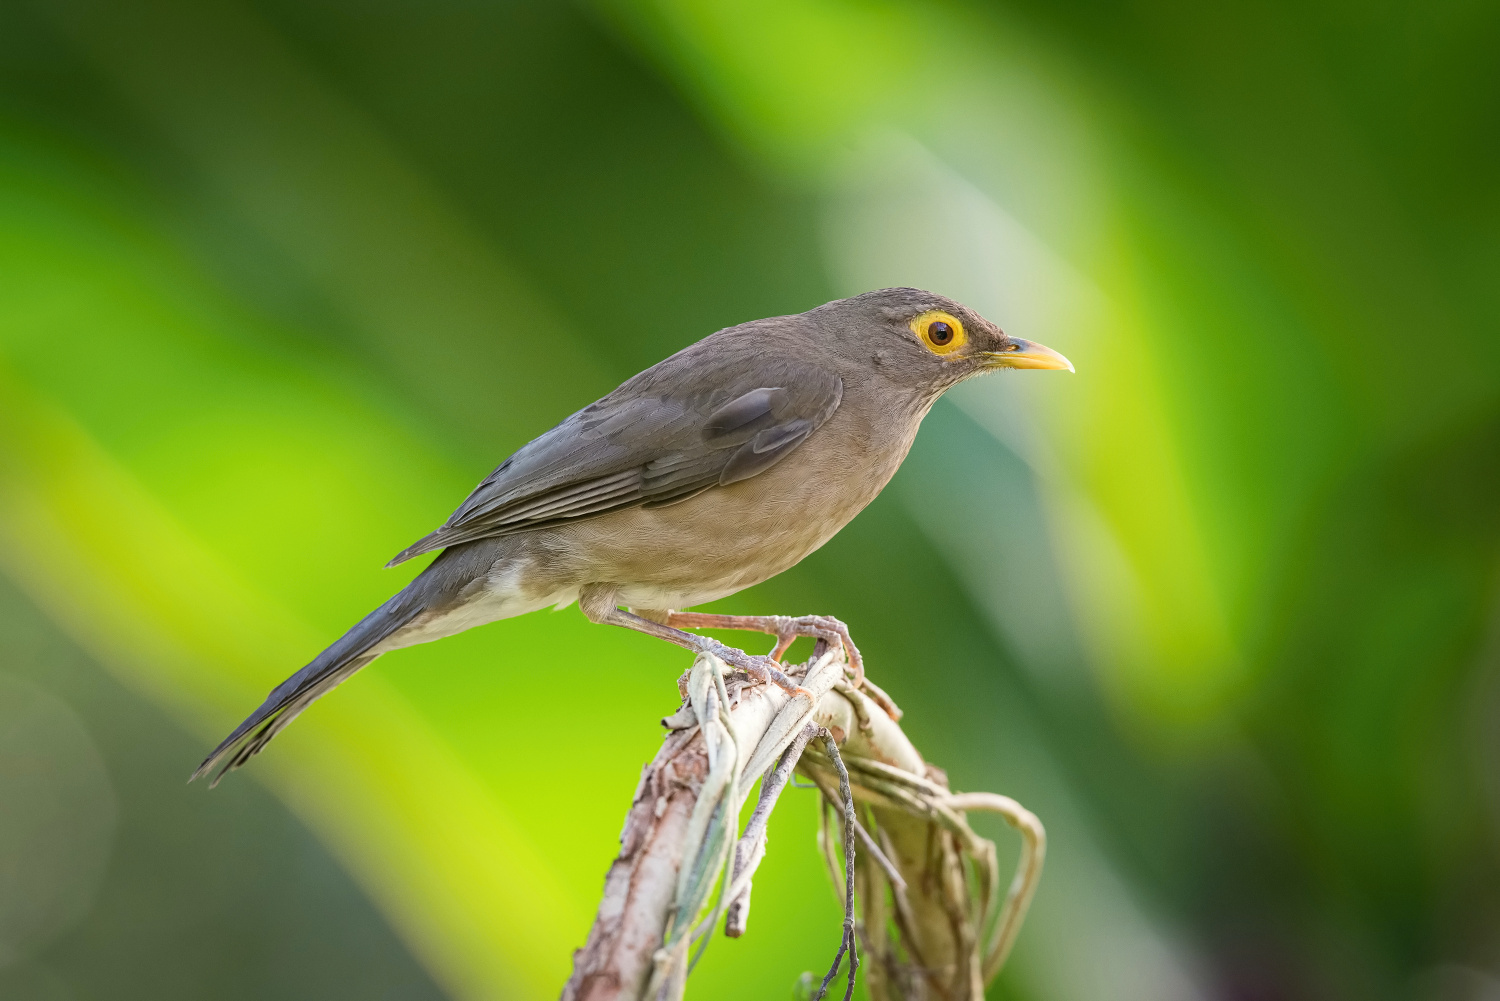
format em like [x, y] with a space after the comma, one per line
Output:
[1025, 354]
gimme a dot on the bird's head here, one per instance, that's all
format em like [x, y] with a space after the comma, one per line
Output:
[928, 341]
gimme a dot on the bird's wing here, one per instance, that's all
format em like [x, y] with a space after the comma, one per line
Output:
[647, 444]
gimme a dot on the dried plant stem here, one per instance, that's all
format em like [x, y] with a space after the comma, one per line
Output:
[751, 847]
[921, 894]
[846, 944]
[616, 960]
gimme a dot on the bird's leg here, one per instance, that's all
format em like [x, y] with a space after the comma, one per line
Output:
[598, 606]
[786, 629]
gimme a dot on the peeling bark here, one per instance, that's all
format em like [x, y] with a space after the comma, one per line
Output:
[615, 962]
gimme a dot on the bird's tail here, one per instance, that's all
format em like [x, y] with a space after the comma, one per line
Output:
[347, 655]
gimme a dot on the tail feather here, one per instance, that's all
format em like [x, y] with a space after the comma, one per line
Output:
[287, 700]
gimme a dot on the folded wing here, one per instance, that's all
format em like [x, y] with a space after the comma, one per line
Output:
[647, 444]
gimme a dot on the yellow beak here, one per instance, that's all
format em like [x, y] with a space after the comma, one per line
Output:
[1026, 354]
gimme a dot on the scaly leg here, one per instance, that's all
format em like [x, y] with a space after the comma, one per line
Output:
[786, 629]
[598, 605]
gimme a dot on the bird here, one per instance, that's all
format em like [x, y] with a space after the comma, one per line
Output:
[713, 470]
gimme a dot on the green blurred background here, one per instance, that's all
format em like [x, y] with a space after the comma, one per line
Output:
[279, 281]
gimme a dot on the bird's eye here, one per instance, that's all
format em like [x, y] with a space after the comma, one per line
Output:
[941, 333]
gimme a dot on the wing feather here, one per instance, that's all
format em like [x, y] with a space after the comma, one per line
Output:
[647, 448]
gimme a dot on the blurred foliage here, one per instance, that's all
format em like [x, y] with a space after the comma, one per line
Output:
[282, 280]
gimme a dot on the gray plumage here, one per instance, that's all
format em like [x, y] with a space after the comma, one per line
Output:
[701, 418]
[711, 471]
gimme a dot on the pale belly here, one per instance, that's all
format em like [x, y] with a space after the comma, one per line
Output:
[721, 541]
[726, 538]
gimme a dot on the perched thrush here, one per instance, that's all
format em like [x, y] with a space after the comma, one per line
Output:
[711, 471]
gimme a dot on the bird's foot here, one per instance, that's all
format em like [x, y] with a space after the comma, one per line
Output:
[824, 627]
[761, 668]
[786, 629]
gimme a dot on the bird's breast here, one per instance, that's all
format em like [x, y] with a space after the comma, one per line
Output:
[728, 538]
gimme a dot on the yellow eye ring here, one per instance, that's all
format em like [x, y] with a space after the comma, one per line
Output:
[941, 333]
